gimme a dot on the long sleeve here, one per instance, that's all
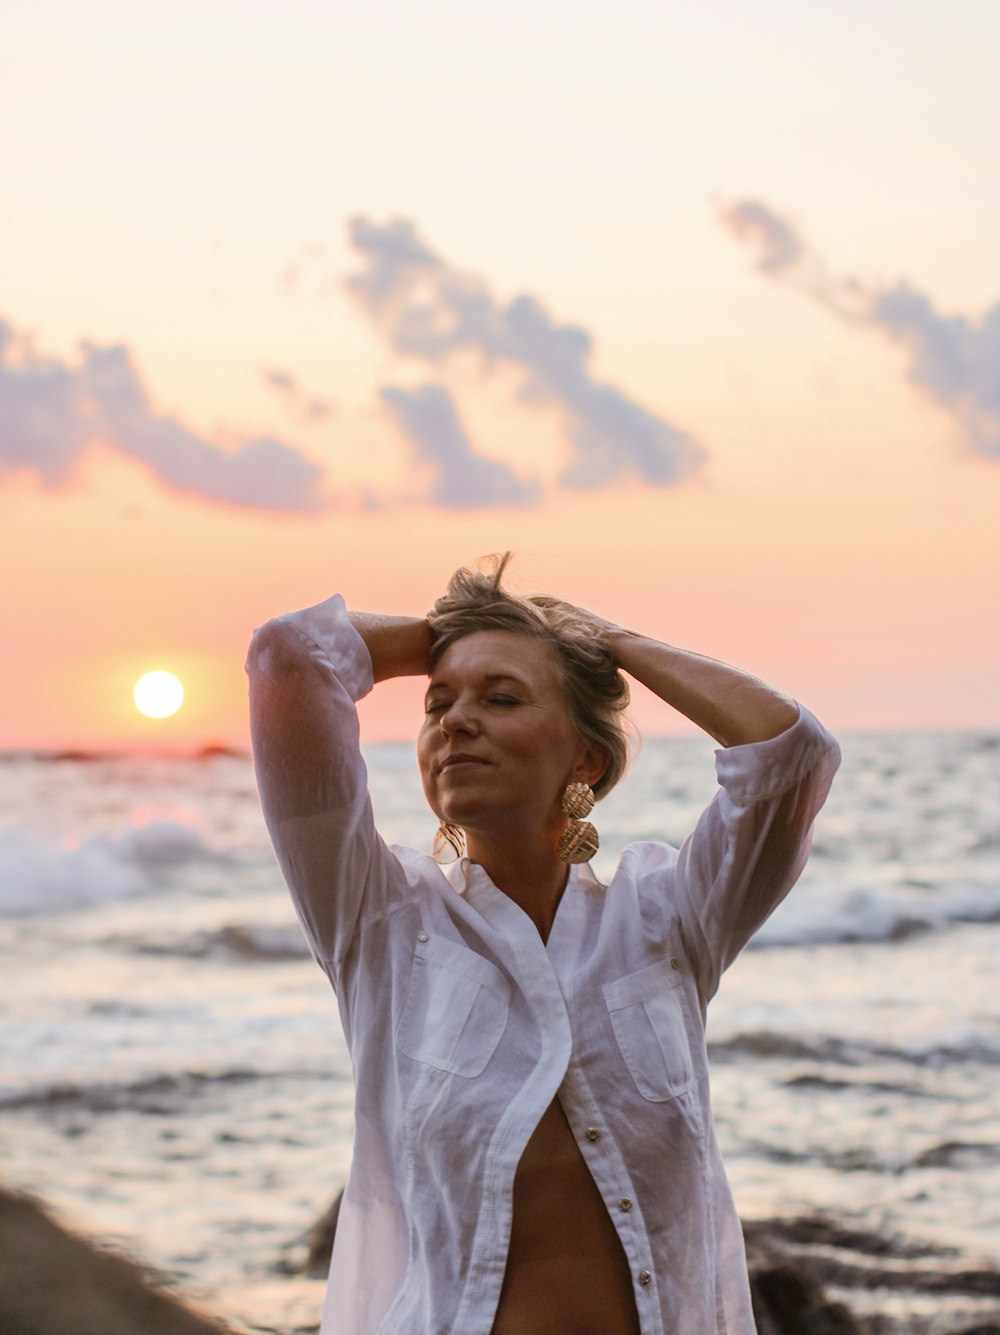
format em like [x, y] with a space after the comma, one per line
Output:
[751, 843]
[307, 669]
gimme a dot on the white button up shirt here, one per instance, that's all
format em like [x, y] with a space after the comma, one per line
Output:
[463, 1025]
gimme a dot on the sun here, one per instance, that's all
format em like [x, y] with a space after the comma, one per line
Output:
[158, 694]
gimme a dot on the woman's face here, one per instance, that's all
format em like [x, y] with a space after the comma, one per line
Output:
[497, 747]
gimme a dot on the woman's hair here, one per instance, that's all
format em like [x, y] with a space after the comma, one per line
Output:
[596, 692]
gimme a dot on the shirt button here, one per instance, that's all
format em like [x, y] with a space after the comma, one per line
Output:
[422, 936]
[593, 1133]
[644, 1277]
[674, 964]
[624, 1203]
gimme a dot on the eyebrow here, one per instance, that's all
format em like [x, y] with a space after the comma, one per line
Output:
[443, 683]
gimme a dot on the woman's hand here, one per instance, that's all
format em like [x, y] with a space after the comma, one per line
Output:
[399, 646]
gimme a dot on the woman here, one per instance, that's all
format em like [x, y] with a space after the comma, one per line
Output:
[534, 1151]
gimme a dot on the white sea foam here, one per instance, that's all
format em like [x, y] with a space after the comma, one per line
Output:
[40, 875]
[161, 843]
[827, 916]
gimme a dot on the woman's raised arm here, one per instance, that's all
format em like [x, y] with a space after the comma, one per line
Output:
[730, 705]
[399, 646]
[774, 772]
[306, 670]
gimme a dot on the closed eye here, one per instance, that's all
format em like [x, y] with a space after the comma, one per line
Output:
[504, 700]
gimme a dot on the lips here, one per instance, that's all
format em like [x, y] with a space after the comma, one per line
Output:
[460, 759]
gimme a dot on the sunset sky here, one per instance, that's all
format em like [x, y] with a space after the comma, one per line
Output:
[695, 308]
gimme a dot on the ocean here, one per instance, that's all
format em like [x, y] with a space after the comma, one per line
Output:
[174, 1081]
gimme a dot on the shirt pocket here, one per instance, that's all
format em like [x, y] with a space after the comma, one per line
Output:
[648, 1016]
[455, 1010]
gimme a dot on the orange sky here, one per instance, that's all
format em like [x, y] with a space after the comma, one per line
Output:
[867, 601]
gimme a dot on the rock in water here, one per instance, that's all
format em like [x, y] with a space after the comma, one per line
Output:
[788, 1301]
[320, 1241]
[54, 1283]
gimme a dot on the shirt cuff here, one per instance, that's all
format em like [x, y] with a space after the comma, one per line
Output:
[760, 771]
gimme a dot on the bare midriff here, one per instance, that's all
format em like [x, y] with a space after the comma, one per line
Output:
[566, 1269]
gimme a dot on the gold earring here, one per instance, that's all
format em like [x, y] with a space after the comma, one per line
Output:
[580, 841]
[450, 836]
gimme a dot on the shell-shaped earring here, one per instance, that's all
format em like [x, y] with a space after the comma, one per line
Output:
[580, 840]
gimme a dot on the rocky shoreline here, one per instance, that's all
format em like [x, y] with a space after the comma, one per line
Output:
[53, 1282]
[814, 1276]
[810, 1276]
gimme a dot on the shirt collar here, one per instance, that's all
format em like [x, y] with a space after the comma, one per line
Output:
[463, 875]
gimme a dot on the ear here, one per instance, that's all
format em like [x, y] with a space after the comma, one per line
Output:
[592, 763]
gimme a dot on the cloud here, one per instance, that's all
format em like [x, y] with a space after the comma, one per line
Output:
[429, 310]
[282, 381]
[956, 361]
[51, 411]
[395, 254]
[778, 245]
[39, 415]
[952, 358]
[296, 400]
[461, 479]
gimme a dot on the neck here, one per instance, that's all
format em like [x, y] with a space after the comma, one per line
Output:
[528, 871]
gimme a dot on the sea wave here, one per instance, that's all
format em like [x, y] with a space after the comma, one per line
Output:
[39, 875]
[233, 941]
[155, 1093]
[161, 1092]
[830, 916]
[831, 1051]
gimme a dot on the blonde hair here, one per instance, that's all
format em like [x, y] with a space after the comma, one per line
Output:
[596, 692]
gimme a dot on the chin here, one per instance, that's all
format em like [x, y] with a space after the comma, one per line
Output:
[456, 814]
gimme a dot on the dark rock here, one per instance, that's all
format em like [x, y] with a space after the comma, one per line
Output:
[818, 1231]
[857, 1263]
[320, 1241]
[786, 1285]
[984, 1282]
[54, 1283]
[787, 1300]
[217, 750]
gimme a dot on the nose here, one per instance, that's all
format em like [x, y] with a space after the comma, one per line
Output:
[459, 717]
